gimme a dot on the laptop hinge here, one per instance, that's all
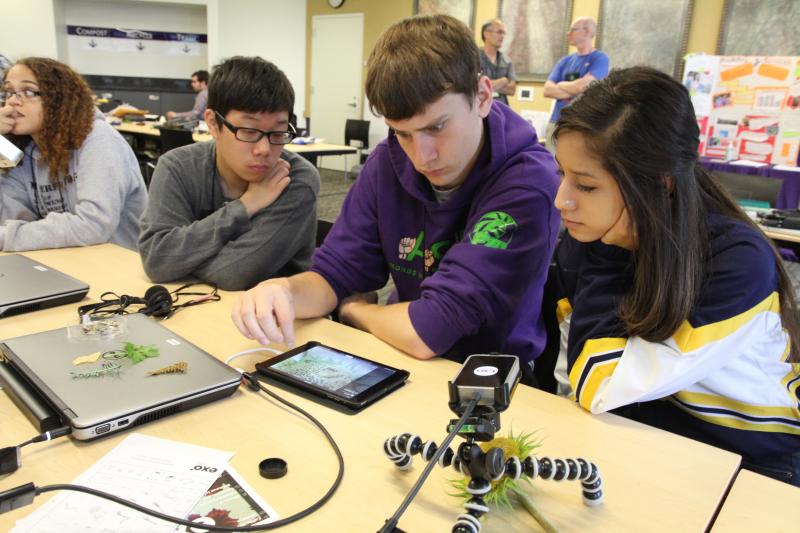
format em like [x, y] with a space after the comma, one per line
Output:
[30, 402]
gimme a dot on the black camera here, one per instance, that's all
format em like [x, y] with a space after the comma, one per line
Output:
[490, 377]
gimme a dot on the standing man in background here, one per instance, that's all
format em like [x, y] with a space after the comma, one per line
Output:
[200, 86]
[494, 65]
[573, 73]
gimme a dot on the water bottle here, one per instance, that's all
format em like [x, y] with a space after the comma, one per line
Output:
[730, 153]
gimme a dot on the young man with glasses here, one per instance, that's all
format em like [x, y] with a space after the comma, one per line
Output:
[574, 72]
[456, 206]
[238, 209]
[494, 64]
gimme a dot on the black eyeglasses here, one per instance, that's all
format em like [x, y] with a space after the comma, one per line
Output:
[253, 135]
[22, 95]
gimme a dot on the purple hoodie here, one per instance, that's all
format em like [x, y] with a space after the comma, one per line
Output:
[473, 267]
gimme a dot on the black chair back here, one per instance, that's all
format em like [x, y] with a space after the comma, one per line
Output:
[544, 368]
[747, 187]
[174, 138]
[323, 227]
[356, 130]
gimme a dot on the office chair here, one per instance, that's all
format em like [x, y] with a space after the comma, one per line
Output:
[174, 138]
[749, 187]
[323, 227]
[356, 130]
[543, 370]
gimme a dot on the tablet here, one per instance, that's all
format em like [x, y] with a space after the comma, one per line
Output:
[330, 374]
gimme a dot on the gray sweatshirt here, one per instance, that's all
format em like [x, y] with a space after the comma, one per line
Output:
[101, 200]
[191, 229]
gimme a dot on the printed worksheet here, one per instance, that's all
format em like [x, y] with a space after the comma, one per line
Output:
[167, 476]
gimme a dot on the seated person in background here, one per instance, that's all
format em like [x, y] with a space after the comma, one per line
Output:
[200, 86]
[238, 209]
[79, 182]
[456, 205]
[676, 309]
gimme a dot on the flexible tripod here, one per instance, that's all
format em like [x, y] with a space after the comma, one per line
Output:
[484, 467]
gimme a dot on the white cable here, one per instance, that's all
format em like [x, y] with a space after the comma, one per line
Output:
[252, 350]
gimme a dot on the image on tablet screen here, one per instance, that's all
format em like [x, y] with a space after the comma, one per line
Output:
[333, 371]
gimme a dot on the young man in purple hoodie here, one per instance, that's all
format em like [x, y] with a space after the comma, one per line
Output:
[456, 205]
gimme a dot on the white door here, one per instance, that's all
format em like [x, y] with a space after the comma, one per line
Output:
[337, 51]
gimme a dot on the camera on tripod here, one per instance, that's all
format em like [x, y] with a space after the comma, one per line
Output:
[490, 377]
[481, 390]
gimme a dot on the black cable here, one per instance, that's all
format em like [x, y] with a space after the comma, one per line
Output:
[203, 297]
[391, 523]
[112, 304]
[24, 494]
[48, 435]
[11, 456]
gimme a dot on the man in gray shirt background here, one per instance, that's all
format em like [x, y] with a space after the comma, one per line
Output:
[238, 209]
[494, 64]
[200, 86]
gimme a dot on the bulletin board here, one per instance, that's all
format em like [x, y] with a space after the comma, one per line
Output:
[747, 107]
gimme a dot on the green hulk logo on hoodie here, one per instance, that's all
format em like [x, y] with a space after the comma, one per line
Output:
[494, 230]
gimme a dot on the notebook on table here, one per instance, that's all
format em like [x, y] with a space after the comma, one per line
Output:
[27, 285]
[113, 393]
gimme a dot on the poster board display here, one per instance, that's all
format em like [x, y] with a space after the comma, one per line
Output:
[747, 107]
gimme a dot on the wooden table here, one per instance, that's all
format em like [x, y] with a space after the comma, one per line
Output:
[781, 234]
[653, 480]
[309, 151]
[759, 503]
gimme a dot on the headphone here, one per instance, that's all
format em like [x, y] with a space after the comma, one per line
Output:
[157, 302]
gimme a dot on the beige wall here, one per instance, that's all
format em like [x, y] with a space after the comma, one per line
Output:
[378, 15]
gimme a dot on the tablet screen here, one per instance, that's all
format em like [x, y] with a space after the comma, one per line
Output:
[333, 371]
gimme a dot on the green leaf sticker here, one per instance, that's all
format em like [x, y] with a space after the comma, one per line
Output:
[139, 352]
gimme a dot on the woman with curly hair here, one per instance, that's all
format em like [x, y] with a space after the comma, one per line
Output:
[79, 182]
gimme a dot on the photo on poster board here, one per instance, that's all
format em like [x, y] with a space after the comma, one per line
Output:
[758, 27]
[463, 10]
[643, 32]
[751, 106]
[699, 74]
[536, 35]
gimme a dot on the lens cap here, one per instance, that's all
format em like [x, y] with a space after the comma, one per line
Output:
[272, 468]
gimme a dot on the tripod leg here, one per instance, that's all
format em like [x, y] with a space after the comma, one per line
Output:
[570, 469]
[397, 450]
[469, 522]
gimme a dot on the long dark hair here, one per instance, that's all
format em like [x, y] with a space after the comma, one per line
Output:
[641, 125]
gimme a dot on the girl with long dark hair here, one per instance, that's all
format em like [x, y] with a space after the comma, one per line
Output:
[675, 309]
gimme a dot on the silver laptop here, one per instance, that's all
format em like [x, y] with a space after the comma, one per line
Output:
[27, 285]
[95, 401]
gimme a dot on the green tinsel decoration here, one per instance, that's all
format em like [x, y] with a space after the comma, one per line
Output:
[521, 446]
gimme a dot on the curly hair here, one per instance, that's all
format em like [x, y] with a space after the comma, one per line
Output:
[68, 112]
